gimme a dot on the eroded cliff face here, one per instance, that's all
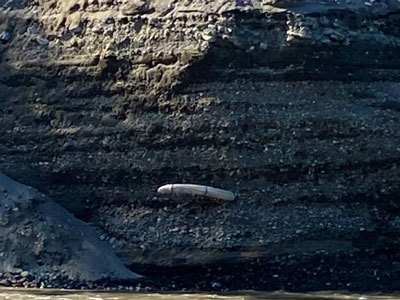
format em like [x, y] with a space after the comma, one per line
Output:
[103, 101]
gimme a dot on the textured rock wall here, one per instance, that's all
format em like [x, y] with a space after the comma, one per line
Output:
[102, 102]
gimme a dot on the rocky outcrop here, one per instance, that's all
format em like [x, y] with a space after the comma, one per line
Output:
[292, 105]
[151, 45]
[41, 243]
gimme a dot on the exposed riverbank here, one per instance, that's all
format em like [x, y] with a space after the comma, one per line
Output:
[292, 106]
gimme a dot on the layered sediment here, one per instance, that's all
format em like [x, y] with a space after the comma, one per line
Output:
[292, 105]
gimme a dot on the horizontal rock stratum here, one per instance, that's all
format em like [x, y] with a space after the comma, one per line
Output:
[292, 105]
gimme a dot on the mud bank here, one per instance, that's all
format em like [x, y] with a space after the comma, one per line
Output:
[291, 105]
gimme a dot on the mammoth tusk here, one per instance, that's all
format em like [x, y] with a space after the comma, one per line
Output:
[197, 190]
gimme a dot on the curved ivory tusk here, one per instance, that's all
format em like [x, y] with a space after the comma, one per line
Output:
[195, 189]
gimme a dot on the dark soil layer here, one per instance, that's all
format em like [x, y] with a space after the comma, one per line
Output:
[314, 165]
[316, 273]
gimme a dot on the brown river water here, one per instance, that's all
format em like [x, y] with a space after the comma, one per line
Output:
[39, 294]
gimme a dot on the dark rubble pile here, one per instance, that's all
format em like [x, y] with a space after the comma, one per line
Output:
[42, 245]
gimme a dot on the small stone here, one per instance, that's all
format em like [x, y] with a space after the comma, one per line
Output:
[325, 40]
[76, 28]
[135, 7]
[32, 29]
[324, 21]
[24, 273]
[22, 280]
[263, 45]
[5, 282]
[70, 145]
[208, 37]
[98, 28]
[336, 36]
[5, 36]
[109, 121]
[42, 41]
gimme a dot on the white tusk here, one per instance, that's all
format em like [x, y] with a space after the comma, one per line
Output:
[197, 190]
